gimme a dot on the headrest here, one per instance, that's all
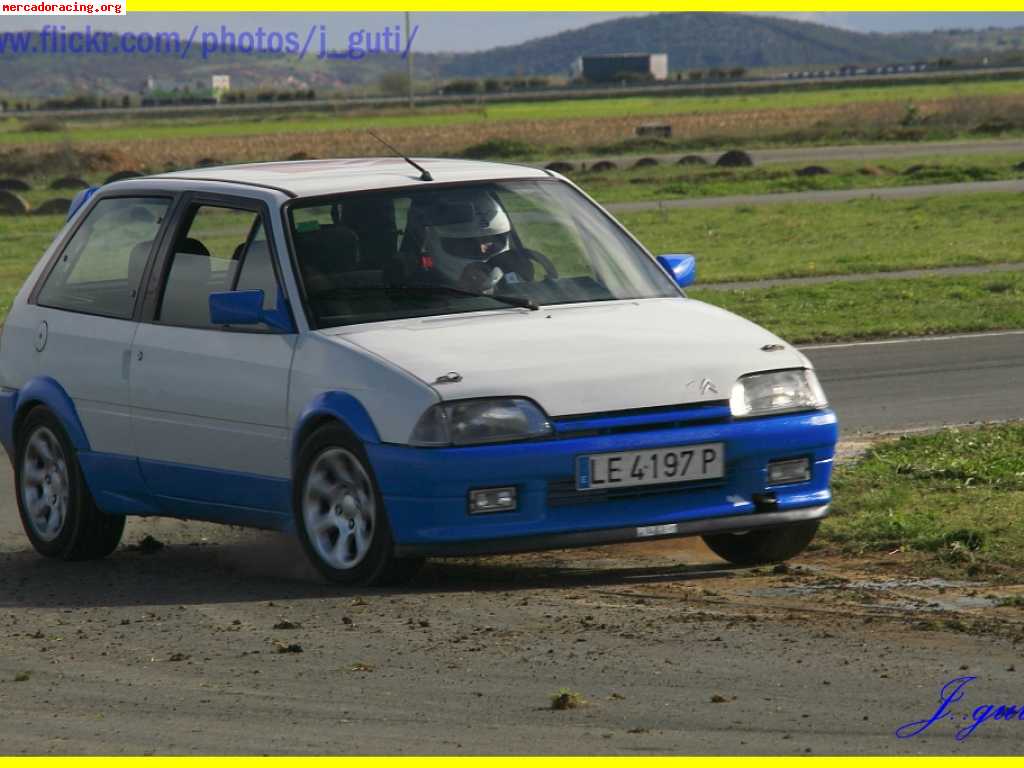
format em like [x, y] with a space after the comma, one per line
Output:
[191, 245]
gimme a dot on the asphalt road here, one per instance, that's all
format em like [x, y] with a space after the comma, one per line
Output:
[820, 155]
[918, 383]
[824, 196]
[222, 640]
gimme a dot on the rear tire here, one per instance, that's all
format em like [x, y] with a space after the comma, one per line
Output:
[57, 511]
[758, 547]
[340, 516]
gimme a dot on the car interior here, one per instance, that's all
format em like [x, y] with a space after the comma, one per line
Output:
[196, 272]
[356, 255]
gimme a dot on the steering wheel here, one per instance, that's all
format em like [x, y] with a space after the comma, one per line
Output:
[507, 263]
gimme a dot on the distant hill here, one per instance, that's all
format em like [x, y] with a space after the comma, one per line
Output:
[702, 40]
[692, 40]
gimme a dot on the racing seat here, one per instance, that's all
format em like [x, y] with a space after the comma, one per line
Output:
[373, 222]
[258, 273]
[186, 299]
[325, 256]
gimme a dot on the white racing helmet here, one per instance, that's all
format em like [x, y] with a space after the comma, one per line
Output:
[465, 226]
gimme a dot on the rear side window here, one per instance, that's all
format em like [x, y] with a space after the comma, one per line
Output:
[100, 270]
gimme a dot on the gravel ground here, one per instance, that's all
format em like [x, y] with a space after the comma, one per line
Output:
[223, 641]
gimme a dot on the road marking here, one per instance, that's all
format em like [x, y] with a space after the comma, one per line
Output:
[911, 340]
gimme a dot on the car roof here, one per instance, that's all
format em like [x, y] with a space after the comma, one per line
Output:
[310, 178]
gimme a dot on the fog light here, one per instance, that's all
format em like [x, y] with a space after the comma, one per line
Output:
[789, 471]
[487, 500]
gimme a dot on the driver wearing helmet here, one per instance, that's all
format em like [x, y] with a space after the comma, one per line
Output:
[466, 239]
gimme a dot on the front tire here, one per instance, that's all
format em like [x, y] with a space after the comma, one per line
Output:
[57, 511]
[760, 547]
[340, 515]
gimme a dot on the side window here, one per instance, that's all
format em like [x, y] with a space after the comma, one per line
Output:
[222, 249]
[100, 270]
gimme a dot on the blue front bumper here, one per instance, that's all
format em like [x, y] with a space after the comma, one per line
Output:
[426, 489]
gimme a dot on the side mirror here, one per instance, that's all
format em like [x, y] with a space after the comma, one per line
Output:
[246, 308]
[682, 267]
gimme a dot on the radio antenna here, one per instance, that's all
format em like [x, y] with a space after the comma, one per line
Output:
[424, 173]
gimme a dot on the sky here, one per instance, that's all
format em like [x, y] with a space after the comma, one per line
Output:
[477, 31]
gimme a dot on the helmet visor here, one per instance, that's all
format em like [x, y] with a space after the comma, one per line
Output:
[479, 248]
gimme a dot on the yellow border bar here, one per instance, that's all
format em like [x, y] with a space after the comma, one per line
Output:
[805, 761]
[808, 761]
[623, 6]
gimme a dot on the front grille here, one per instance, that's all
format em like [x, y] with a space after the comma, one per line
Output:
[563, 493]
[641, 419]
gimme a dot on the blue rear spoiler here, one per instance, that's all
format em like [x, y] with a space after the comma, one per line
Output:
[79, 200]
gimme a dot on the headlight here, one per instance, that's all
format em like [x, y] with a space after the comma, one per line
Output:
[760, 394]
[472, 422]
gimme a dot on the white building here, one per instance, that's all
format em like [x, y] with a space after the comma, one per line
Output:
[220, 84]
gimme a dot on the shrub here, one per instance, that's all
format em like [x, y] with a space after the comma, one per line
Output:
[42, 125]
[393, 83]
[461, 87]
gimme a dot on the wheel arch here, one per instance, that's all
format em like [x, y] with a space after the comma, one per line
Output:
[333, 407]
[47, 392]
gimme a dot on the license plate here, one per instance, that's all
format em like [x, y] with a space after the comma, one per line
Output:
[654, 466]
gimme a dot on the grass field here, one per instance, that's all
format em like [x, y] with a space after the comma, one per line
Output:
[883, 309]
[523, 130]
[13, 130]
[22, 242]
[778, 241]
[955, 495]
[790, 240]
[674, 181]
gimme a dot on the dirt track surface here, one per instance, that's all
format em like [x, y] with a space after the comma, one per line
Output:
[816, 154]
[223, 641]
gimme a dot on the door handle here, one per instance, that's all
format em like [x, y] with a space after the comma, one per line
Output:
[138, 355]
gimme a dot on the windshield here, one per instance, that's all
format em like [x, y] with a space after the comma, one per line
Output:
[443, 250]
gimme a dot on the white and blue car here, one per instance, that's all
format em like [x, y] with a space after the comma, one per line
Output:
[396, 360]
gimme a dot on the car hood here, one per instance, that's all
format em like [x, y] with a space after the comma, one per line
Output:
[585, 358]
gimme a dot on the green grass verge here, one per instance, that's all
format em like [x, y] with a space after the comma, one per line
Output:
[956, 495]
[832, 311]
[22, 242]
[674, 181]
[880, 309]
[12, 130]
[871, 235]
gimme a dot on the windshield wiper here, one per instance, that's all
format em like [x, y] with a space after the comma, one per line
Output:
[512, 301]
